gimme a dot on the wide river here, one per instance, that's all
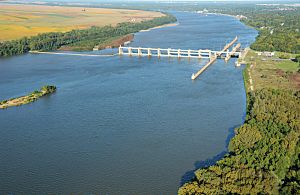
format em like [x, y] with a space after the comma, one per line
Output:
[121, 125]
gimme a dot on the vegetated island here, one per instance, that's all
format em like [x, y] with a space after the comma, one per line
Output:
[45, 90]
[95, 37]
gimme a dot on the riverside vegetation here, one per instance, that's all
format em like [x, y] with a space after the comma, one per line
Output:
[28, 98]
[84, 39]
[264, 155]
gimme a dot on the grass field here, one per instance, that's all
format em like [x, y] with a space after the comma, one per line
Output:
[269, 72]
[288, 66]
[17, 21]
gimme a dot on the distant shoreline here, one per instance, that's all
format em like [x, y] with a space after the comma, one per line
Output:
[219, 14]
[162, 26]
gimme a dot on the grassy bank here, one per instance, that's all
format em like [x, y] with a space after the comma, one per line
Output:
[28, 98]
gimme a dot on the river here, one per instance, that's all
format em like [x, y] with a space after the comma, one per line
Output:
[121, 125]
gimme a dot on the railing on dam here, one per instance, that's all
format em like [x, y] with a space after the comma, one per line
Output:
[178, 53]
[159, 52]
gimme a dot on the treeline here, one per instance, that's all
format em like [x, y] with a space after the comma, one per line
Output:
[264, 155]
[80, 39]
[278, 30]
[278, 26]
[278, 41]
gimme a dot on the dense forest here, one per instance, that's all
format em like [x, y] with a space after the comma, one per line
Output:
[264, 155]
[278, 25]
[80, 39]
[278, 30]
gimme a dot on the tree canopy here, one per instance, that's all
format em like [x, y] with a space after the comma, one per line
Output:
[264, 154]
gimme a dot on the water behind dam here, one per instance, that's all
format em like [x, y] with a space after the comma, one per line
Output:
[121, 125]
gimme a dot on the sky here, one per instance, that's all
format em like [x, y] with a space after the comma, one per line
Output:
[191, 0]
[272, 1]
[108, 1]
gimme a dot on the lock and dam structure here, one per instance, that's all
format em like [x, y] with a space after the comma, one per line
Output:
[211, 55]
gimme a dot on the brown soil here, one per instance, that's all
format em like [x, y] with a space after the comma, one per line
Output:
[117, 42]
[280, 72]
[114, 43]
[295, 78]
[14, 102]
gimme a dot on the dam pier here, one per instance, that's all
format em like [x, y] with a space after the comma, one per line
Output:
[186, 53]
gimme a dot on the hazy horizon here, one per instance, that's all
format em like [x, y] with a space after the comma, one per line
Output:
[108, 1]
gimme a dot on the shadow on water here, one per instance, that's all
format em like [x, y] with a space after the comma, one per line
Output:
[189, 175]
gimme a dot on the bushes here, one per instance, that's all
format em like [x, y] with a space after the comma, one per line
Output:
[48, 89]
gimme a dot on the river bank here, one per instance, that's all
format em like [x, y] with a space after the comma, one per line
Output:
[107, 44]
[127, 38]
[162, 26]
[256, 162]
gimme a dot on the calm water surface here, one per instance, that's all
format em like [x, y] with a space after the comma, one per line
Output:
[121, 125]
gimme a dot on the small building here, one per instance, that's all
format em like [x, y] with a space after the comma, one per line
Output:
[240, 17]
[266, 54]
[132, 20]
[269, 54]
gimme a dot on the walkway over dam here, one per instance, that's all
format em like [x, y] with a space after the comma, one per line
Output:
[186, 53]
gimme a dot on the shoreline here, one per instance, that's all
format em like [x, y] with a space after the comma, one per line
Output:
[221, 14]
[232, 16]
[246, 69]
[232, 132]
[252, 127]
[123, 40]
[161, 26]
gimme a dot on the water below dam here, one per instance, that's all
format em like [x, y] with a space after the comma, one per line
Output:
[121, 125]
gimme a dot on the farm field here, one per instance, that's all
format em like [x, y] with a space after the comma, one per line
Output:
[17, 21]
